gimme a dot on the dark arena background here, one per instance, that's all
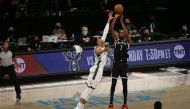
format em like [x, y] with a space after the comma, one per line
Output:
[53, 75]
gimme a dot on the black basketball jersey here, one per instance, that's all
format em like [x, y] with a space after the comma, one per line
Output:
[120, 51]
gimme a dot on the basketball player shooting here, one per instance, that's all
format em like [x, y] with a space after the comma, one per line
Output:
[122, 42]
[96, 71]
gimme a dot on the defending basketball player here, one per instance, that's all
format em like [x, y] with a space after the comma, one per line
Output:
[96, 71]
[122, 42]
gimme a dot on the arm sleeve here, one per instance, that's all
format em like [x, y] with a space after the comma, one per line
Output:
[105, 32]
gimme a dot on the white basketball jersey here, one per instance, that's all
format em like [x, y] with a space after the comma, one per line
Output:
[100, 60]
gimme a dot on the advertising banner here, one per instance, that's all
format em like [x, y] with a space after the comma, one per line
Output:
[70, 61]
[159, 53]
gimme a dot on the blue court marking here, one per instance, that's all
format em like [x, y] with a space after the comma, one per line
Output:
[97, 101]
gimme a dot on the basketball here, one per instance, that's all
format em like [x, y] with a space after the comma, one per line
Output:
[118, 9]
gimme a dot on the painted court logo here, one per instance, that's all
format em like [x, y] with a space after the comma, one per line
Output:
[73, 58]
[21, 65]
[99, 101]
[179, 51]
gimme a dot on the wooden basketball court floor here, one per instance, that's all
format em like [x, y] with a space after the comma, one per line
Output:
[170, 87]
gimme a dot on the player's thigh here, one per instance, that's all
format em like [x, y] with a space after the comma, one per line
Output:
[115, 72]
[92, 72]
[94, 79]
[99, 75]
[123, 70]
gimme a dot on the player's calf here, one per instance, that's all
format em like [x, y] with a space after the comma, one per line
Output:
[81, 104]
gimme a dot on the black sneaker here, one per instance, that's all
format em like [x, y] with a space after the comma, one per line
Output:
[18, 96]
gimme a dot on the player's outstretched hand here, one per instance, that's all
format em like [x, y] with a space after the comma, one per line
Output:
[110, 17]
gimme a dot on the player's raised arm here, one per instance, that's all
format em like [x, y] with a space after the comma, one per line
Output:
[110, 17]
[106, 29]
[113, 34]
[125, 30]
